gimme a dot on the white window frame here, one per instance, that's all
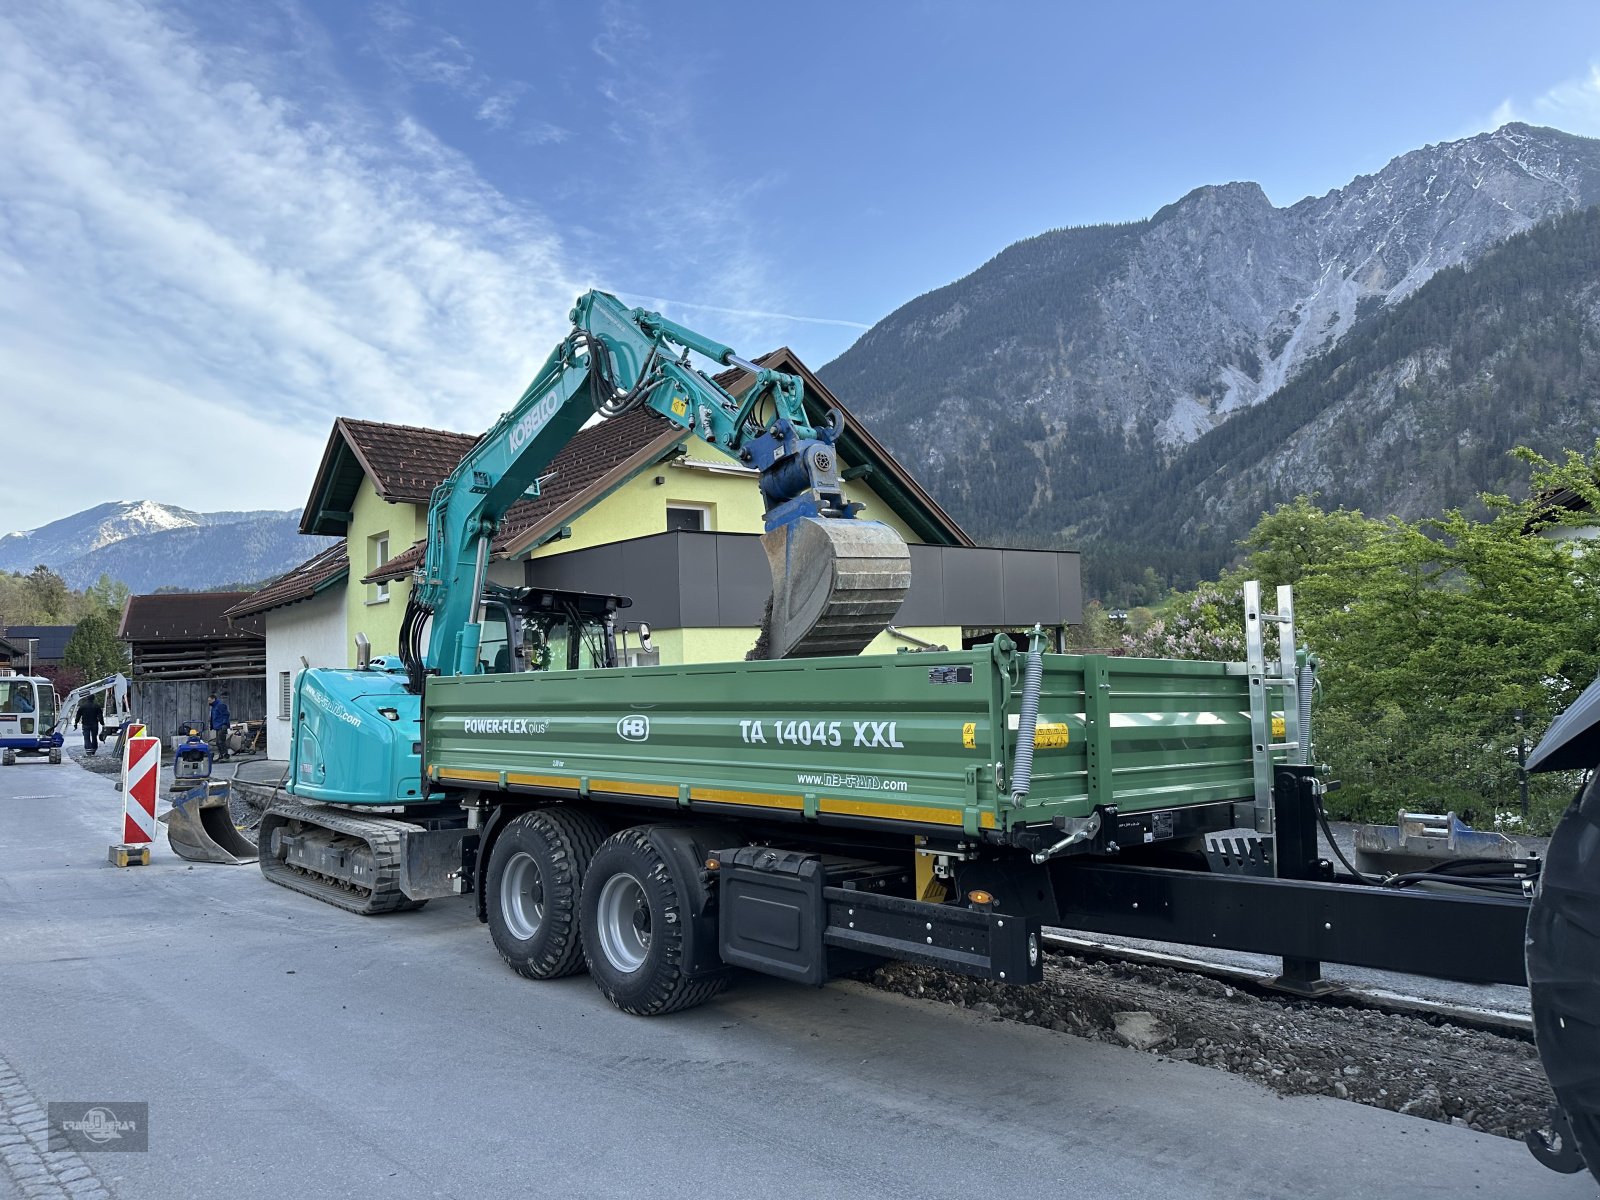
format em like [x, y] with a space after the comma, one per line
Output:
[285, 694]
[704, 510]
[377, 555]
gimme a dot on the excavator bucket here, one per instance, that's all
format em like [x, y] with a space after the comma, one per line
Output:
[836, 585]
[200, 827]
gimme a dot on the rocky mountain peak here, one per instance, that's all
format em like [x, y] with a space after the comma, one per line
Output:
[1139, 339]
[148, 544]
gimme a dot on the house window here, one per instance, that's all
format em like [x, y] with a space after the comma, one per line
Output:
[688, 518]
[377, 555]
[285, 694]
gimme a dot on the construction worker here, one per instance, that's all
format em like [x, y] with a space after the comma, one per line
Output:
[219, 726]
[91, 716]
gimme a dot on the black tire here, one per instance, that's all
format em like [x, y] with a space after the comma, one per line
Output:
[1564, 970]
[641, 971]
[545, 854]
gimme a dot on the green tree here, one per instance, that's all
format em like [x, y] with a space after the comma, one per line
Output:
[1297, 536]
[108, 595]
[94, 648]
[49, 596]
[1432, 636]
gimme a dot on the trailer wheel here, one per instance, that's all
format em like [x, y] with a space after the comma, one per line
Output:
[633, 922]
[9, 758]
[535, 876]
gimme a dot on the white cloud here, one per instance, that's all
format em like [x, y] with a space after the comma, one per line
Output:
[498, 108]
[697, 224]
[185, 251]
[1573, 105]
[210, 248]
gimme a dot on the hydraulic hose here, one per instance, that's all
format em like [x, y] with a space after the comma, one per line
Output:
[1028, 719]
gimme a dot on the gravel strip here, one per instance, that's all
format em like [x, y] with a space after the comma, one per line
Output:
[1490, 1083]
[106, 762]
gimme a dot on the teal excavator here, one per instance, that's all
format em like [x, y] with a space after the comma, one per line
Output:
[837, 581]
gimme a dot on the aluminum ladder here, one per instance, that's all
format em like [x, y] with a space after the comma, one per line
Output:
[1275, 681]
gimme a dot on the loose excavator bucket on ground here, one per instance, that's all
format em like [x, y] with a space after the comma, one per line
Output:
[200, 827]
[836, 585]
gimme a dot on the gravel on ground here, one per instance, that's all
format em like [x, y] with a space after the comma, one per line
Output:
[1490, 1083]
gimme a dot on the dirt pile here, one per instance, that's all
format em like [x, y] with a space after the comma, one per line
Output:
[1443, 1072]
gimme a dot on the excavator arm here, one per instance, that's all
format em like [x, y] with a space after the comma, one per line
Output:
[115, 690]
[837, 579]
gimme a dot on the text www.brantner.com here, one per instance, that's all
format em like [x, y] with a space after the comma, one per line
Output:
[866, 783]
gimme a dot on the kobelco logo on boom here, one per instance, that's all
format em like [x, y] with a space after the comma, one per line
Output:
[533, 421]
[634, 729]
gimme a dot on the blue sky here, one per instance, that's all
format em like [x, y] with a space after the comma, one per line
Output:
[234, 220]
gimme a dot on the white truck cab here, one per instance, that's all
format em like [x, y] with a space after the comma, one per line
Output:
[28, 718]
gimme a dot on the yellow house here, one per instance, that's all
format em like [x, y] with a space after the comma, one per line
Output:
[627, 508]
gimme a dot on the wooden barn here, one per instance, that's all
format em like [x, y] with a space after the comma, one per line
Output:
[183, 648]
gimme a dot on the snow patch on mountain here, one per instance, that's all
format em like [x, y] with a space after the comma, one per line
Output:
[134, 540]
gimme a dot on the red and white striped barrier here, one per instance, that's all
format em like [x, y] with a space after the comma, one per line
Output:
[141, 781]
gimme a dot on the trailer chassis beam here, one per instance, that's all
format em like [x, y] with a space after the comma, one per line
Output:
[1474, 939]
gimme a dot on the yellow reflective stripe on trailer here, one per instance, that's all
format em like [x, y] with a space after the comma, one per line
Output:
[899, 812]
[828, 804]
[565, 782]
[615, 787]
[466, 776]
[759, 799]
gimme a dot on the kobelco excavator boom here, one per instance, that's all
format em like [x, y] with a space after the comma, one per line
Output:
[837, 579]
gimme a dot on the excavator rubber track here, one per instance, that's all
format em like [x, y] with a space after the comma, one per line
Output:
[836, 585]
[359, 856]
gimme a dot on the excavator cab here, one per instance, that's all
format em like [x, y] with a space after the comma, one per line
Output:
[547, 629]
[28, 719]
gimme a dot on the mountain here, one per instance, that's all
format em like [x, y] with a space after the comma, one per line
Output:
[1083, 361]
[1415, 410]
[149, 545]
[87, 531]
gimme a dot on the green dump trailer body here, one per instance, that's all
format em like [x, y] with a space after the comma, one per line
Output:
[800, 817]
[918, 742]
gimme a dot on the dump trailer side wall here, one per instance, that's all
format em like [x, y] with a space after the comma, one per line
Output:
[924, 740]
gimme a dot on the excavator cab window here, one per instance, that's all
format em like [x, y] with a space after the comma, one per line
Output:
[494, 648]
[562, 641]
[558, 639]
[544, 629]
[16, 696]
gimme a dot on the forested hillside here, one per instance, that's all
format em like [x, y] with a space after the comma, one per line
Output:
[1423, 402]
[1142, 390]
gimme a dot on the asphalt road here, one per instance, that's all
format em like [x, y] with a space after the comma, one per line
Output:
[288, 1049]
